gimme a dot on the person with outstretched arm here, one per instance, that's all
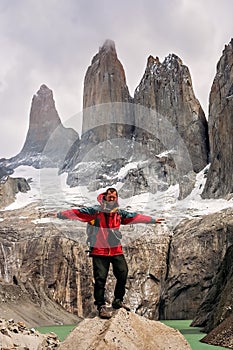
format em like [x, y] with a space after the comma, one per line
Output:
[104, 240]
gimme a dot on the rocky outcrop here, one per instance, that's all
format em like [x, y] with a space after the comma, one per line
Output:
[47, 141]
[217, 305]
[167, 88]
[220, 176]
[124, 331]
[222, 335]
[197, 250]
[9, 189]
[17, 336]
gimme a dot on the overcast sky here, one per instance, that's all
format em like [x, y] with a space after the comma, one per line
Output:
[52, 42]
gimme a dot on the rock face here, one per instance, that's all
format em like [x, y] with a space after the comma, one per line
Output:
[124, 331]
[197, 250]
[47, 141]
[168, 275]
[167, 88]
[9, 188]
[220, 177]
[217, 305]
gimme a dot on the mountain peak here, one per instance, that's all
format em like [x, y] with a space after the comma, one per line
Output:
[108, 45]
[44, 93]
[172, 59]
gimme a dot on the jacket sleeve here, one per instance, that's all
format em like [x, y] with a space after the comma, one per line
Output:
[135, 218]
[83, 214]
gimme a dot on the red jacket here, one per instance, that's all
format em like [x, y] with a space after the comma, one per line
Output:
[105, 235]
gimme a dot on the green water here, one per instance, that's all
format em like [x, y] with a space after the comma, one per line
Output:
[60, 331]
[192, 334]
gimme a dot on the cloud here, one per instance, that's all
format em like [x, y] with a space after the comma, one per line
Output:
[52, 42]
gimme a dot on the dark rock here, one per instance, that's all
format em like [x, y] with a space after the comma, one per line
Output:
[218, 304]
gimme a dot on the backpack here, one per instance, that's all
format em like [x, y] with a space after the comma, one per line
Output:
[91, 232]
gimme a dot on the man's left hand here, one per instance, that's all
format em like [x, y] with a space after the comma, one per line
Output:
[160, 220]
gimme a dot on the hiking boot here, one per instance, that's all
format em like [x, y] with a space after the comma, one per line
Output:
[117, 304]
[104, 312]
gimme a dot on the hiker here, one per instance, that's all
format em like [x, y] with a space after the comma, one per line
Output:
[104, 221]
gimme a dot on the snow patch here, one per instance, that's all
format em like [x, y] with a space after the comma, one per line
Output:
[53, 193]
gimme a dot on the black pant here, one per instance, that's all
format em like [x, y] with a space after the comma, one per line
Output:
[101, 266]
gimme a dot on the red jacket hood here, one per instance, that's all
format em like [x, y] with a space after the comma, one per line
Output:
[100, 199]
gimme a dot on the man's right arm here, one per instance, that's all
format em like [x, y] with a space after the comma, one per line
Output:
[82, 214]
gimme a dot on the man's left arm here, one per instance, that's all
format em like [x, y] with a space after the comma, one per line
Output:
[136, 218]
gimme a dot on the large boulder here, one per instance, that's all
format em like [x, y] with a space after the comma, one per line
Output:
[125, 330]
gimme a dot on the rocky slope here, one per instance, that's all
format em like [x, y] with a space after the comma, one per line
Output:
[124, 331]
[220, 177]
